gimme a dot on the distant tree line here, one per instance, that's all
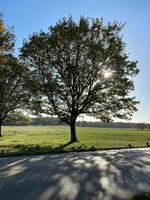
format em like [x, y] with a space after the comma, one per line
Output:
[46, 121]
[142, 126]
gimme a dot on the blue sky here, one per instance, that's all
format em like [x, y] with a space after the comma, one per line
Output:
[28, 16]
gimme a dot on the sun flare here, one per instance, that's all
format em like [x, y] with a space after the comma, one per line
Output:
[107, 74]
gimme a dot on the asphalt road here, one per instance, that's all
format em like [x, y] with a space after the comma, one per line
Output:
[103, 175]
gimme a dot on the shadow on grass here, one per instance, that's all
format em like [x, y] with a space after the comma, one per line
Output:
[30, 149]
[63, 146]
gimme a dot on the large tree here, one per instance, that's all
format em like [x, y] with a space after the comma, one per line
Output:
[80, 68]
[12, 75]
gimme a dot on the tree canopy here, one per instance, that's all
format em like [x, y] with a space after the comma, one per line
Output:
[12, 75]
[80, 68]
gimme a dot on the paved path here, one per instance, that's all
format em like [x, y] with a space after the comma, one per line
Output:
[103, 175]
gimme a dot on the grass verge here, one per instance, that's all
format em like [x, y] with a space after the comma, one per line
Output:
[54, 139]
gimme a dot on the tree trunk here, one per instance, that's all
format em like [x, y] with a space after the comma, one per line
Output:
[73, 133]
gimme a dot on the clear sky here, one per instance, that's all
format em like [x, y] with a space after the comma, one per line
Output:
[28, 16]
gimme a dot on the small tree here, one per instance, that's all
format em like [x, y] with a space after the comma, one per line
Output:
[12, 86]
[80, 69]
[141, 126]
[18, 119]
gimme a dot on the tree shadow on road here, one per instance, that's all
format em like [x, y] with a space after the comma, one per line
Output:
[78, 176]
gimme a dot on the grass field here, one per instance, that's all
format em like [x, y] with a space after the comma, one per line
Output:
[49, 139]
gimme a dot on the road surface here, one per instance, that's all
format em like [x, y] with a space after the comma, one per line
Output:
[100, 175]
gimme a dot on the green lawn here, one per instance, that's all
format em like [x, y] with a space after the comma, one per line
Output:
[48, 139]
